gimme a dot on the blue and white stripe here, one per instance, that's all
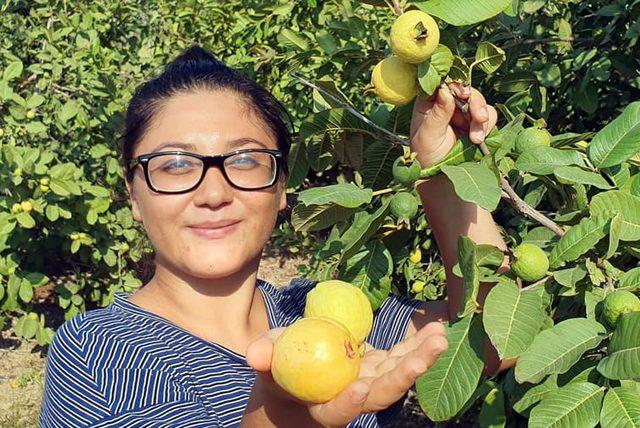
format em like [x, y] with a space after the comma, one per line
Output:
[122, 366]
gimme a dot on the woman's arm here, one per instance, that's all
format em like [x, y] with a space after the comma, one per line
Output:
[434, 127]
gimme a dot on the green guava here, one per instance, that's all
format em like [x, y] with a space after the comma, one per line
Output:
[341, 302]
[404, 205]
[617, 303]
[532, 137]
[530, 262]
[405, 173]
[314, 359]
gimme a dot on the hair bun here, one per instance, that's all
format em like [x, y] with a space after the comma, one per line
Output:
[194, 55]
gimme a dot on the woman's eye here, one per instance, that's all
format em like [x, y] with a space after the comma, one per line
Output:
[243, 162]
[177, 165]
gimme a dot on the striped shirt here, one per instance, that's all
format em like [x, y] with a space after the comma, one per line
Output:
[123, 366]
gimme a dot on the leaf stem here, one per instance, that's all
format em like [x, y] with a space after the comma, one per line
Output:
[390, 135]
[396, 7]
[383, 191]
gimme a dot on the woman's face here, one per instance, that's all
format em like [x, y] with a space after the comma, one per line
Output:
[207, 123]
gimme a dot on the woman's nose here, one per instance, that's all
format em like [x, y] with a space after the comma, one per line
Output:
[214, 190]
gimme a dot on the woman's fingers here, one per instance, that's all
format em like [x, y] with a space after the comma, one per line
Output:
[413, 341]
[343, 408]
[259, 352]
[391, 386]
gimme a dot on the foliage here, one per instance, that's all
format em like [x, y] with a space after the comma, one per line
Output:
[69, 67]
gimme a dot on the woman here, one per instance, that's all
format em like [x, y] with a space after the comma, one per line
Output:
[204, 154]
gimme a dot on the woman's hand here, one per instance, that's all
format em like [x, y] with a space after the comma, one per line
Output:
[436, 122]
[384, 376]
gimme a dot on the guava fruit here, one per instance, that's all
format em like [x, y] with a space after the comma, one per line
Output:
[31, 114]
[414, 36]
[44, 181]
[417, 286]
[530, 262]
[394, 81]
[405, 172]
[344, 303]
[416, 256]
[404, 205]
[314, 359]
[26, 206]
[532, 137]
[617, 303]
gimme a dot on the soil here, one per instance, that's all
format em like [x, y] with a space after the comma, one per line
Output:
[22, 362]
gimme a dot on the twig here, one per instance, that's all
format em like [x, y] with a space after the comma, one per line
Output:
[516, 202]
[390, 135]
[520, 205]
[396, 7]
[547, 40]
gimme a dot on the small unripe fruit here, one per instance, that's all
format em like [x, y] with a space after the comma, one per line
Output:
[26, 206]
[16, 208]
[405, 173]
[1, 132]
[532, 137]
[74, 236]
[618, 303]
[17, 172]
[530, 262]
[403, 205]
[417, 286]
[415, 256]
[44, 181]
[44, 188]
[31, 114]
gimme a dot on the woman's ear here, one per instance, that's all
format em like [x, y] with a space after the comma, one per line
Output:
[282, 184]
[135, 209]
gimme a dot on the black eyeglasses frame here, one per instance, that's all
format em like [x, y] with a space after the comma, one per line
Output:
[207, 162]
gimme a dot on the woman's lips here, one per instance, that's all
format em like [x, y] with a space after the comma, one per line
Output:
[213, 232]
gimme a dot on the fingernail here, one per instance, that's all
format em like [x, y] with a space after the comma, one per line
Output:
[359, 396]
[480, 135]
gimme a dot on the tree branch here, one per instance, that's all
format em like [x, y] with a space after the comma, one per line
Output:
[390, 135]
[396, 7]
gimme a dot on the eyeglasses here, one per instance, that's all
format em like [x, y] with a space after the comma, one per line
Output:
[174, 172]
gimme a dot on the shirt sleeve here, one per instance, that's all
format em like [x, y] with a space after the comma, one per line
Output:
[78, 393]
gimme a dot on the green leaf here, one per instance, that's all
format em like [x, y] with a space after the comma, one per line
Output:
[290, 38]
[68, 111]
[460, 71]
[617, 141]
[298, 165]
[52, 212]
[35, 127]
[346, 195]
[26, 291]
[574, 174]
[489, 57]
[470, 280]
[630, 279]
[512, 317]
[29, 328]
[442, 60]
[619, 202]
[25, 220]
[620, 408]
[614, 235]
[464, 12]
[378, 160]
[623, 361]
[535, 393]
[34, 101]
[318, 217]
[363, 226]
[428, 77]
[544, 160]
[556, 349]
[475, 183]
[515, 82]
[460, 366]
[492, 413]
[369, 270]
[574, 405]
[578, 240]
[320, 152]
[571, 276]
[13, 70]
[463, 150]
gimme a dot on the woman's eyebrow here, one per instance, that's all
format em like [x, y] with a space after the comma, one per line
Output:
[244, 141]
[176, 144]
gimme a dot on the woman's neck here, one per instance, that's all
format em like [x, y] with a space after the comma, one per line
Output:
[229, 311]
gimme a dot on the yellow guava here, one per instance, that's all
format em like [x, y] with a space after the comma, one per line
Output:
[314, 359]
[414, 36]
[617, 303]
[530, 262]
[341, 302]
[394, 81]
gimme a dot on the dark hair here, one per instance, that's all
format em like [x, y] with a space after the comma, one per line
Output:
[196, 69]
[193, 70]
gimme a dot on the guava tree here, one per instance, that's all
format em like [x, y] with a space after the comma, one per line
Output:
[569, 206]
